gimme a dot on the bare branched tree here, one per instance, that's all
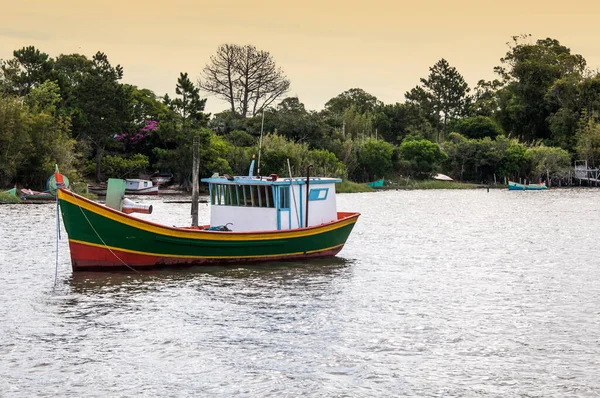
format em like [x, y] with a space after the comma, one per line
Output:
[245, 77]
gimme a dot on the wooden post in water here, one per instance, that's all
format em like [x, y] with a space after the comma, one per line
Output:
[570, 180]
[195, 188]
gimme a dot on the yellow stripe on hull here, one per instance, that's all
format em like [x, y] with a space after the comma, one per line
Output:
[199, 234]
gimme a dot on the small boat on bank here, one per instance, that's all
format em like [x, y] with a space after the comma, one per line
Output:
[515, 186]
[251, 219]
[133, 186]
[97, 189]
[136, 186]
[28, 194]
[159, 179]
[442, 177]
[376, 184]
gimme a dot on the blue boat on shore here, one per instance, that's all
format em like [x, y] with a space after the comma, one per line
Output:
[515, 186]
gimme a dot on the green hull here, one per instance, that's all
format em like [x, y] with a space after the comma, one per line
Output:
[376, 184]
[101, 238]
[515, 186]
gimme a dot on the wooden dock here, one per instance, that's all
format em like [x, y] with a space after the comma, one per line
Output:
[584, 173]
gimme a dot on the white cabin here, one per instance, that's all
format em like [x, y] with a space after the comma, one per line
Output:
[266, 204]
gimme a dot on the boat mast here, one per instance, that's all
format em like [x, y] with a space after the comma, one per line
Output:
[260, 142]
[307, 191]
[293, 194]
[195, 171]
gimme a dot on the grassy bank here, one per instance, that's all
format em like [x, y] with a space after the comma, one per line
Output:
[429, 184]
[352, 187]
[403, 183]
[5, 197]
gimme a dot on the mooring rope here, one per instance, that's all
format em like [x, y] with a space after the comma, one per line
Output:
[102, 240]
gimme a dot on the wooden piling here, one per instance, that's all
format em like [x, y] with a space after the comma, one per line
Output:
[195, 187]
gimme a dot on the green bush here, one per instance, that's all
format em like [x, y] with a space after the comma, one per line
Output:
[420, 157]
[119, 166]
[352, 187]
[5, 197]
[375, 158]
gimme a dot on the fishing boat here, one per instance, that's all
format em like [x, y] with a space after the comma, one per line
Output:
[376, 184]
[251, 219]
[28, 194]
[136, 186]
[48, 195]
[515, 186]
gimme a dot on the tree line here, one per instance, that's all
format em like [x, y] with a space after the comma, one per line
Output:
[539, 115]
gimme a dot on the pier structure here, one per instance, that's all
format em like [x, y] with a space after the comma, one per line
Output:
[584, 173]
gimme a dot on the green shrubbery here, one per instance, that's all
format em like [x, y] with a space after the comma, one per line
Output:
[5, 197]
[352, 187]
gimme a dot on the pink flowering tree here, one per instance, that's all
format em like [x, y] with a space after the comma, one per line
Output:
[131, 140]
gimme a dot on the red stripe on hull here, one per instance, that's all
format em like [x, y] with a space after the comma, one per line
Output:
[93, 258]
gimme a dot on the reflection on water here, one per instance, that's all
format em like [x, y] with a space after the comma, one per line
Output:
[437, 293]
[260, 274]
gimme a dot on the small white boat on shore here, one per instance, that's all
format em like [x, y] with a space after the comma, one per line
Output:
[136, 186]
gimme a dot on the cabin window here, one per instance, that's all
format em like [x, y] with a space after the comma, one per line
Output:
[229, 195]
[261, 196]
[225, 189]
[268, 196]
[242, 195]
[256, 194]
[249, 195]
[219, 194]
[269, 192]
[318, 194]
[284, 197]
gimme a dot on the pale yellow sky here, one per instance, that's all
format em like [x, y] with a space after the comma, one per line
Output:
[324, 47]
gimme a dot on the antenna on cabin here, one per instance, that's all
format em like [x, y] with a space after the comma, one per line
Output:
[260, 142]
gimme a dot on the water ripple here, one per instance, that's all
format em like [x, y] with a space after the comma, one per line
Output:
[437, 293]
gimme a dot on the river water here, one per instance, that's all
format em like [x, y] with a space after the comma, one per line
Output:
[436, 294]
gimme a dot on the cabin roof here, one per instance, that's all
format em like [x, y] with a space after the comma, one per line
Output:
[246, 180]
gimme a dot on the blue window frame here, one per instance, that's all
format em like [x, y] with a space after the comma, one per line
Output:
[284, 197]
[318, 194]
